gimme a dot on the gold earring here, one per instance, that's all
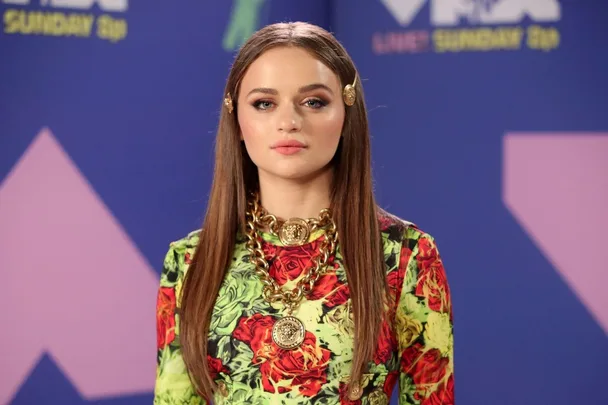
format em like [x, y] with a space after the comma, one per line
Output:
[350, 94]
[228, 103]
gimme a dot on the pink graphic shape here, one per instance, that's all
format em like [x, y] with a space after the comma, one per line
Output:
[556, 186]
[76, 286]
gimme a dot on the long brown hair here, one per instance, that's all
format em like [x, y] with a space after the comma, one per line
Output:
[352, 202]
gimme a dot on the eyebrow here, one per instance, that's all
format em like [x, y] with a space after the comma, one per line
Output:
[303, 89]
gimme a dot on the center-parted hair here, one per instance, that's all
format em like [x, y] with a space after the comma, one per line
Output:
[235, 176]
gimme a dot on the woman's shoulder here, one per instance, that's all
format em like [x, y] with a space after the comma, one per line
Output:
[186, 242]
[398, 229]
[179, 254]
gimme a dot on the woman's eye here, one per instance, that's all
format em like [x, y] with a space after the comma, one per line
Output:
[262, 104]
[315, 103]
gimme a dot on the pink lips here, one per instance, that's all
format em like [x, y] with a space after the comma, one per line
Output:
[288, 147]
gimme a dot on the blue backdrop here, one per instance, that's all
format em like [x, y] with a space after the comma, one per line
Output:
[461, 93]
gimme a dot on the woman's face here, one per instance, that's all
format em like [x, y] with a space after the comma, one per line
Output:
[291, 114]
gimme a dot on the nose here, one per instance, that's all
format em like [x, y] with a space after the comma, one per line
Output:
[289, 120]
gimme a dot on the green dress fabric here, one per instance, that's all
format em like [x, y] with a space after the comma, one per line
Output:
[415, 347]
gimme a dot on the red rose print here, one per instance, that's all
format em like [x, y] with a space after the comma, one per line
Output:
[389, 382]
[384, 222]
[289, 262]
[386, 344]
[165, 319]
[404, 257]
[216, 366]
[444, 394]
[431, 368]
[432, 281]
[330, 289]
[410, 357]
[256, 331]
[394, 281]
[269, 250]
[427, 368]
[396, 278]
[424, 366]
[427, 253]
[188, 258]
[305, 368]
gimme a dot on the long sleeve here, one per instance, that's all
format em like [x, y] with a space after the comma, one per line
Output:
[173, 385]
[424, 325]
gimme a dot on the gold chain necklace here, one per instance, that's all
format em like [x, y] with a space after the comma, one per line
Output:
[288, 332]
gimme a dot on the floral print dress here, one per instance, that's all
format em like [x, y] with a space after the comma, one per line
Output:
[414, 351]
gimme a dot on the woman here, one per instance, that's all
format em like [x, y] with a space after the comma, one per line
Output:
[299, 289]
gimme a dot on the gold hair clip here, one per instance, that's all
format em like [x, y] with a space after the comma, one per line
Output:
[350, 94]
[228, 103]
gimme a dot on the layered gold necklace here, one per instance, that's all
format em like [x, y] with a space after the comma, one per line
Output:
[288, 332]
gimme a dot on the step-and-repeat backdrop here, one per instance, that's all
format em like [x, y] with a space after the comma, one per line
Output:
[490, 131]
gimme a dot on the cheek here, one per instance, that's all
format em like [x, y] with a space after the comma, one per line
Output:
[253, 144]
[251, 131]
[330, 129]
[246, 125]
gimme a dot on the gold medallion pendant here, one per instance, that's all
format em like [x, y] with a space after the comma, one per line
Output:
[288, 333]
[294, 232]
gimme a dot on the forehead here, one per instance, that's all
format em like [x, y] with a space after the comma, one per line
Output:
[286, 69]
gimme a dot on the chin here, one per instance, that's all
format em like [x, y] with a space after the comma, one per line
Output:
[295, 173]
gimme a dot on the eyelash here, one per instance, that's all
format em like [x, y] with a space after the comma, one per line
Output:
[321, 104]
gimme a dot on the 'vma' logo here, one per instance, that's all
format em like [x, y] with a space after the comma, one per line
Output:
[451, 12]
[105, 5]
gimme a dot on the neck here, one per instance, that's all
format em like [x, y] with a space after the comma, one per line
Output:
[286, 198]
